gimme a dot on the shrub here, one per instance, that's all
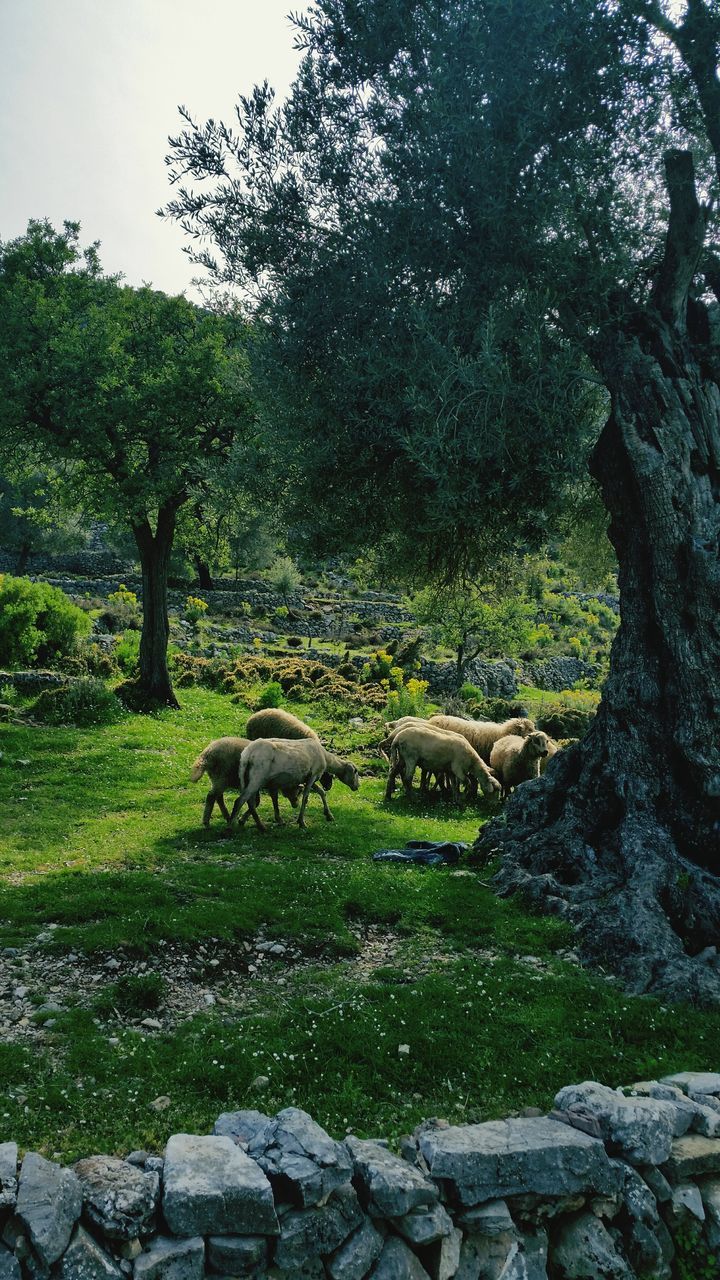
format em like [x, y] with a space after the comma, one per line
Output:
[294, 642]
[195, 609]
[282, 612]
[570, 714]
[84, 702]
[409, 700]
[122, 612]
[91, 660]
[127, 652]
[132, 996]
[271, 696]
[284, 576]
[37, 622]
[498, 709]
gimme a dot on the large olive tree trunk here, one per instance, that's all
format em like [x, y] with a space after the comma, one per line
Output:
[623, 834]
[155, 549]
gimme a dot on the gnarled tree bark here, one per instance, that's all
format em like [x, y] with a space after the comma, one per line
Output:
[154, 550]
[622, 835]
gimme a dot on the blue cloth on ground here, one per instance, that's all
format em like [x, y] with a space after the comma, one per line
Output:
[424, 853]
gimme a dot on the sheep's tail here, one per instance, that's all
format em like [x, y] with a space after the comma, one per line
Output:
[198, 768]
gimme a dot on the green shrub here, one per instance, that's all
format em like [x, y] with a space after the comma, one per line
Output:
[90, 660]
[195, 609]
[409, 700]
[127, 652]
[294, 642]
[85, 702]
[122, 612]
[271, 696]
[569, 714]
[284, 576]
[498, 709]
[38, 623]
[132, 996]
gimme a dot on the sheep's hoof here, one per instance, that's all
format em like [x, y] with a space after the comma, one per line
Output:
[329, 817]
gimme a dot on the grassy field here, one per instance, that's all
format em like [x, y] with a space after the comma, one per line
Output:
[402, 992]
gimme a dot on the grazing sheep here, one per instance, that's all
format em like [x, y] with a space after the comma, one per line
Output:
[517, 759]
[221, 762]
[280, 763]
[437, 752]
[273, 722]
[483, 734]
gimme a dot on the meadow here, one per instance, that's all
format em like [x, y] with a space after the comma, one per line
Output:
[400, 993]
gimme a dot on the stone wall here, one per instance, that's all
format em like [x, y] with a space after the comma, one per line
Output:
[611, 1184]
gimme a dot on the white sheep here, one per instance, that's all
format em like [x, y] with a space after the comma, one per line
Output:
[273, 722]
[221, 762]
[483, 734]
[517, 759]
[279, 762]
[437, 752]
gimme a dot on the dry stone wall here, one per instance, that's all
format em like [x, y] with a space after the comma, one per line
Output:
[611, 1184]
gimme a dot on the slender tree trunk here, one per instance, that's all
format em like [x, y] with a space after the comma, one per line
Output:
[23, 558]
[155, 552]
[622, 835]
[203, 572]
[460, 663]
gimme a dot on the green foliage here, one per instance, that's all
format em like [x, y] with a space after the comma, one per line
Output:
[694, 1260]
[34, 516]
[272, 695]
[464, 618]
[568, 714]
[127, 652]
[284, 576]
[87, 701]
[132, 996]
[38, 623]
[281, 612]
[195, 609]
[408, 700]
[122, 612]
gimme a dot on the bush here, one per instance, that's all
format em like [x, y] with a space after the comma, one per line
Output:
[84, 702]
[127, 652]
[497, 709]
[284, 576]
[408, 700]
[37, 622]
[195, 609]
[271, 696]
[294, 642]
[122, 612]
[570, 714]
[132, 996]
[90, 660]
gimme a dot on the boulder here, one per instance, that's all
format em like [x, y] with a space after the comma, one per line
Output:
[304, 1163]
[306, 1234]
[167, 1259]
[398, 1262]
[442, 1259]
[585, 1250]
[691, 1156]
[356, 1256]
[212, 1187]
[695, 1081]
[511, 1157]
[640, 1130]
[238, 1255]
[85, 1260]
[491, 1219]
[9, 1265]
[686, 1203]
[529, 1262]
[388, 1185]
[710, 1192]
[118, 1198]
[424, 1225]
[48, 1205]
[486, 1258]
[241, 1126]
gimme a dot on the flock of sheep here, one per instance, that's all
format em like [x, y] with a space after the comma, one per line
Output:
[284, 756]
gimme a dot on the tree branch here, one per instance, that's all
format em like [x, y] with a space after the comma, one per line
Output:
[684, 241]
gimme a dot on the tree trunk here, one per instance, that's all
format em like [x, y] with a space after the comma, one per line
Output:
[203, 572]
[155, 550]
[622, 835]
[23, 558]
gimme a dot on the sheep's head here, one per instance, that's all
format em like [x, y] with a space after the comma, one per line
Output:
[349, 775]
[536, 744]
[522, 726]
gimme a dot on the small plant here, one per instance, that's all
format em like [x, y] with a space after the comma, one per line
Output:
[284, 576]
[127, 652]
[133, 996]
[38, 623]
[195, 609]
[122, 612]
[294, 642]
[271, 696]
[85, 702]
[282, 612]
[409, 700]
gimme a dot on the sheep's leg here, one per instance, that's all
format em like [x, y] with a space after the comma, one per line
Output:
[319, 792]
[306, 792]
[408, 773]
[250, 797]
[223, 807]
[425, 775]
[209, 806]
[276, 807]
[395, 772]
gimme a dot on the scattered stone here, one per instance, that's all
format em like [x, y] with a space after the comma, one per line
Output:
[137, 1158]
[299, 1156]
[128, 1249]
[152, 1024]
[167, 1259]
[506, 1157]
[309, 1233]
[640, 1130]
[238, 1255]
[687, 1203]
[161, 1103]
[85, 1260]
[260, 1082]
[119, 1199]
[211, 1186]
[355, 1257]
[48, 1205]
[398, 1262]
[388, 1185]
[584, 1250]
[424, 1226]
[697, 1081]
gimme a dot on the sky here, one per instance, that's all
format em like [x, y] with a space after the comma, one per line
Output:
[89, 91]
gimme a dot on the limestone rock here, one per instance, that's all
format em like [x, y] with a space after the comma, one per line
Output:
[48, 1204]
[241, 1126]
[686, 1203]
[167, 1259]
[398, 1262]
[646, 1238]
[211, 1186]
[695, 1081]
[85, 1260]
[511, 1157]
[297, 1154]
[425, 1225]
[691, 1156]
[238, 1255]
[356, 1256]
[442, 1259]
[657, 1182]
[9, 1265]
[118, 1198]
[484, 1258]
[491, 1219]
[710, 1192]
[584, 1250]
[309, 1233]
[640, 1130]
[8, 1175]
[388, 1185]
[530, 1260]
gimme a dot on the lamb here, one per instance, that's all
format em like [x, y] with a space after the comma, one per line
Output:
[437, 752]
[517, 759]
[221, 762]
[280, 763]
[483, 734]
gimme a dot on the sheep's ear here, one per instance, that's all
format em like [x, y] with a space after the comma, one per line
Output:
[326, 780]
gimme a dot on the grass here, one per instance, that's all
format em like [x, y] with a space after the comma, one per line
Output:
[100, 836]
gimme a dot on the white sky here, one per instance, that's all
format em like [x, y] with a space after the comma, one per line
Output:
[89, 91]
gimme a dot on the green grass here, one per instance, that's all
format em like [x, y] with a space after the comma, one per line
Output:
[100, 835]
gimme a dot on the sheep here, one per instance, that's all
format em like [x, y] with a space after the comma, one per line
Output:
[483, 734]
[273, 722]
[437, 752]
[553, 748]
[221, 762]
[517, 759]
[281, 763]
